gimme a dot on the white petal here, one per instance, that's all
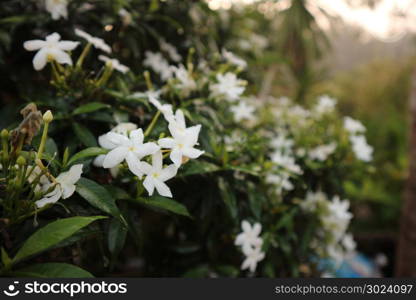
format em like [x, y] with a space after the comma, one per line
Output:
[67, 190]
[134, 164]
[146, 149]
[117, 139]
[105, 142]
[115, 157]
[98, 161]
[149, 185]
[75, 173]
[52, 197]
[137, 137]
[245, 226]
[192, 152]
[54, 37]
[40, 59]
[192, 134]
[162, 188]
[257, 229]
[67, 45]
[34, 45]
[168, 172]
[168, 143]
[145, 167]
[62, 57]
[180, 118]
[176, 157]
[157, 160]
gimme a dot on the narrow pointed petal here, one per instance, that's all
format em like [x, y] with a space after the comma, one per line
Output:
[115, 157]
[146, 149]
[167, 143]
[62, 57]
[67, 45]
[168, 172]
[137, 137]
[245, 226]
[157, 160]
[105, 142]
[145, 167]
[176, 157]
[192, 134]
[117, 139]
[192, 152]
[134, 164]
[162, 189]
[149, 185]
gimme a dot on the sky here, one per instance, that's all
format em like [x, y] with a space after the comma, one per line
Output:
[389, 20]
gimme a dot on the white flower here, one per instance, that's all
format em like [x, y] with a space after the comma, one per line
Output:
[353, 126]
[183, 140]
[160, 65]
[169, 49]
[229, 86]
[362, 150]
[156, 175]
[286, 161]
[322, 152]
[281, 181]
[114, 63]
[313, 201]
[50, 49]
[281, 142]
[243, 111]
[165, 109]
[349, 243]
[57, 8]
[131, 149]
[253, 257]
[249, 238]
[186, 83]
[64, 188]
[234, 59]
[95, 41]
[325, 104]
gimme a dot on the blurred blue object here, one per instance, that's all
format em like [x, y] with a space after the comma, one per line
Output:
[356, 265]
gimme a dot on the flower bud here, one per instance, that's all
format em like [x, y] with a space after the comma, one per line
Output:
[5, 134]
[47, 116]
[21, 161]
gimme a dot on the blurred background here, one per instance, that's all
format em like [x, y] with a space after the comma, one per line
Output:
[362, 53]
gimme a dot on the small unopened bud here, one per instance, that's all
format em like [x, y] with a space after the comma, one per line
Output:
[21, 161]
[47, 116]
[5, 134]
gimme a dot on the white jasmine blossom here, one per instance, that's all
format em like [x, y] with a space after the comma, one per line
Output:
[165, 109]
[253, 257]
[243, 111]
[170, 50]
[322, 152]
[57, 8]
[183, 140]
[286, 161]
[186, 84]
[65, 186]
[157, 63]
[362, 150]
[95, 41]
[51, 49]
[281, 143]
[229, 86]
[156, 175]
[325, 104]
[353, 126]
[281, 181]
[234, 59]
[131, 149]
[115, 64]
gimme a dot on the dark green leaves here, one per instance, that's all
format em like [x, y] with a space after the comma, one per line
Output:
[166, 204]
[97, 196]
[52, 270]
[89, 107]
[52, 234]
[89, 152]
[84, 135]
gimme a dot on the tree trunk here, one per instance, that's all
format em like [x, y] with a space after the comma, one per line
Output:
[406, 252]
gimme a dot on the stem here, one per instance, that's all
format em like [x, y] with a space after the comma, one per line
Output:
[43, 141]
[82, 56]
[152, 124]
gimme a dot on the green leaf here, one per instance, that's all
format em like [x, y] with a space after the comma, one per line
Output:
[228, 196]
[165, 203]
[89, 107]
[84, 135]
[52, 234]
[194, 167]
[117, 233]
[92, 151]
[52, 270]
[97, 196]
[5, 259]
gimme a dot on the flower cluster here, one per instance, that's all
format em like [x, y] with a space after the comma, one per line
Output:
[250, 242]
[362, 150]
